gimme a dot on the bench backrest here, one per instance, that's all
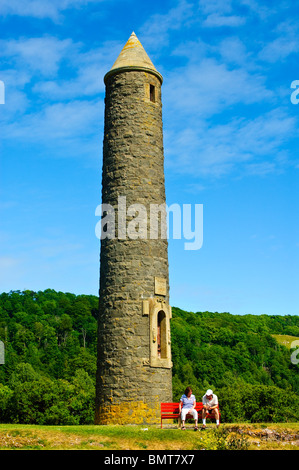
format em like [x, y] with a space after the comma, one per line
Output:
[169, 408]
[173, 408]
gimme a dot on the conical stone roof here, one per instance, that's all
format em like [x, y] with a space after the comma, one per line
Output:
[133, 57]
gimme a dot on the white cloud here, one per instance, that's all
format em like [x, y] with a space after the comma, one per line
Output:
[69, 111]
[241, 146]
[34, 8]
[215, 20]
[285, 43]
[218, 14]
[37, 61]
[259, 9]
[88, 82]
[209, 87]
[37, 55]
[71, 129]
[40, 8]
[68, 120]
[279, 49]
[213, 6]
[155, 31]
[216, 78]
[89, 68]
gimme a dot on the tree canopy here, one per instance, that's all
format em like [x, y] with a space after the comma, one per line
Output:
[50, 343]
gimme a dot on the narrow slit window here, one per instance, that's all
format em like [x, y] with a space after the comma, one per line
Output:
[152, 93]
[159, 340]
[161, 336]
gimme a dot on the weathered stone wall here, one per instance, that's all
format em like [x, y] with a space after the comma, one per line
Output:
[129, 389]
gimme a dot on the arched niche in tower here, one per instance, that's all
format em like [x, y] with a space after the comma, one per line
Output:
[159, 334]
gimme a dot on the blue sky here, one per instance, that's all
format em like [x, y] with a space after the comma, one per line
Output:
[230, 138]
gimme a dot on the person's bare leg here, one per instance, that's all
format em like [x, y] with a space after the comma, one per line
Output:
[217, 417]
[204, 415]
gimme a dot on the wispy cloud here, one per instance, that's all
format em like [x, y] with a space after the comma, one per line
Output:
[156, 30]
[234, 52]
[69, 110]
[86, 72]
[208, 93]
[65, 130]
[208, 87]
[226, 115]
[216, 20]
[241, 146]
[212, 6]
[285, 43]
[40, 9]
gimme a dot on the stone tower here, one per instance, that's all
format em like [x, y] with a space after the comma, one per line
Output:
[134, 355]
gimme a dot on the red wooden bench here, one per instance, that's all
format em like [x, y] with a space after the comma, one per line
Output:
[171, 411]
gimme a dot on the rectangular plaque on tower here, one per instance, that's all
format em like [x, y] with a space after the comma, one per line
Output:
[160, 286]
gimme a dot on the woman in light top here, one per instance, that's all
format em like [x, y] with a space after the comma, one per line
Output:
[187, 406]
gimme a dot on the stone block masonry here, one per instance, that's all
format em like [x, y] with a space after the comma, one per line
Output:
[134, 350]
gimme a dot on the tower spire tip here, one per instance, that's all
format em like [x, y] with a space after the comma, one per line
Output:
[133, 55]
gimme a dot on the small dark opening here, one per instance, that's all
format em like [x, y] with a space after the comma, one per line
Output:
[152, 93]
[161, 336]
[159, 340]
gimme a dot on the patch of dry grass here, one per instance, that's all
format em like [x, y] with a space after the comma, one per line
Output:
[286, 340]
[229, 436]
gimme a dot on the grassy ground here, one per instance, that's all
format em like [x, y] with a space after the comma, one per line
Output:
[286, 340]
[227, 437]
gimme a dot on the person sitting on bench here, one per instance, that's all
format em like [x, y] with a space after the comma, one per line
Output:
[210, 403]
[187, 405]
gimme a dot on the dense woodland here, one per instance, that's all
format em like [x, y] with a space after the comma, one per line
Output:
[50, 360]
